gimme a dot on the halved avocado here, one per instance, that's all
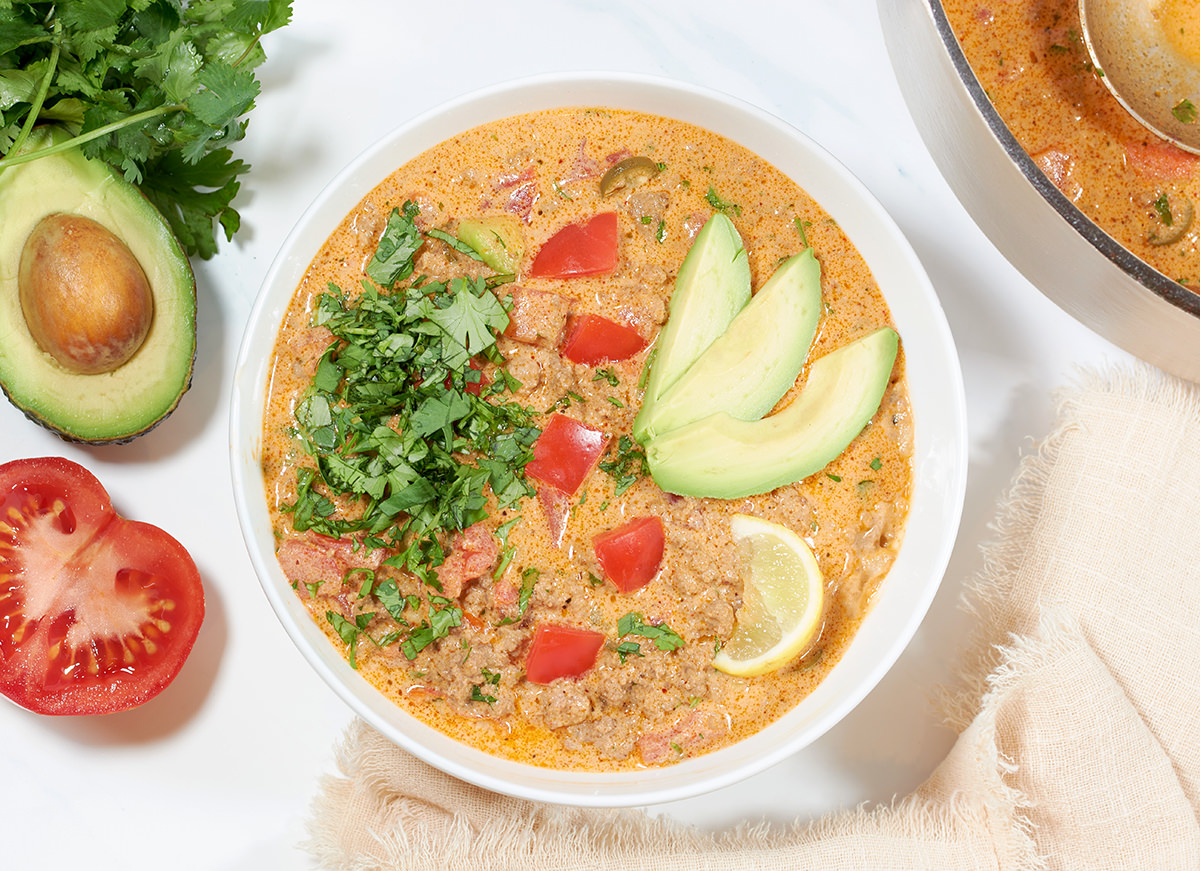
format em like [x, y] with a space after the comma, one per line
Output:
[753, 364]
[111, 406]
[726, 458]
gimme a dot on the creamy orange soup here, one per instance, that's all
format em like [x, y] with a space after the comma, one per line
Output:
[532, 561]
[1032, 62]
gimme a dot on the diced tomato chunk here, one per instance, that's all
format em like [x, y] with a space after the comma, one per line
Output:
[474, 384]
[1160, 160]
[592, 339]
[472, 554]
[565, 453]
[313, 560]
[631, 554]
[561, 651]
[585, 248]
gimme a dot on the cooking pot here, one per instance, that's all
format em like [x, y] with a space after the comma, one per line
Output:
[1045, 236]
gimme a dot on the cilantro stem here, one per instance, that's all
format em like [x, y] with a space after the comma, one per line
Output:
[39, 98]
[75, 141]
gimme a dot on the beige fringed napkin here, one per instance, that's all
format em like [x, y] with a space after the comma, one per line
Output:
[1079, 728]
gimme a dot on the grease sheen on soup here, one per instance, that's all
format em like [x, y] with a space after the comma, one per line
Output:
[652, 707]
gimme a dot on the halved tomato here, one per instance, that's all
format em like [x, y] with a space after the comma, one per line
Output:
[588, 247]
[631, 554]
[592, 339]
[97, 613]
[558, 651]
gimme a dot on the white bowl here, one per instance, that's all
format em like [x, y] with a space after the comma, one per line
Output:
[939, 461]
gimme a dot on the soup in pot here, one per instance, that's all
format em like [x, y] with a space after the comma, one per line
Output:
[1031, 60]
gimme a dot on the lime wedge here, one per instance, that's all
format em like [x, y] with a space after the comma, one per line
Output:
[783, 600]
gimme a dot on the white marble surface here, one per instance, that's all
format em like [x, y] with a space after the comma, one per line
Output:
[218, 772]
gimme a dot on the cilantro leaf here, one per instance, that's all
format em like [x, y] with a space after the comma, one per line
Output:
[396, 418]
[158, 90]
[663, 636]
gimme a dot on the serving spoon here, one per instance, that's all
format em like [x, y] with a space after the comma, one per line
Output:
[1148, 55]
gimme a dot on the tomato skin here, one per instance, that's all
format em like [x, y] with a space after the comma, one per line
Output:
[558, 651]
[631, 554]
[97, 613]
[585, 248]
[593, 339]
[565, 453]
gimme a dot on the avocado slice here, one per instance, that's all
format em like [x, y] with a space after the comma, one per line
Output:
[727, 458]
[498, 239]
[750, 366]
[711, 287]
[125, 402]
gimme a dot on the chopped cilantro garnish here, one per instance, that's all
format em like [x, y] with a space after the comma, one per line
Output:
[714, 200]
[529, 577]
[625, 463]
[1185, 111]
[349, 630]
[439, 624]
[455, 243]
[663, 636]
[627, 649]
[490, 678]
[802, 228]
[607, 374]
[398, 421]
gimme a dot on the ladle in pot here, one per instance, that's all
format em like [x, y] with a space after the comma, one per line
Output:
[1148, 55]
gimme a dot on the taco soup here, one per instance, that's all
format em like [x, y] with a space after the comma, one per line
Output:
[485, 486]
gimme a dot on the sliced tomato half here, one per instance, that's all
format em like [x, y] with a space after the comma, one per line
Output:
[584, 248]
[565, 453]
[631, 554]
[97, 613]
[558, 651]
[592, 339]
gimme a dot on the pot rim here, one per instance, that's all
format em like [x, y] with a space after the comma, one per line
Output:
[1146, 275]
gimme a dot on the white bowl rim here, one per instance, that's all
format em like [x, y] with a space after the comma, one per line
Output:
[940, 453]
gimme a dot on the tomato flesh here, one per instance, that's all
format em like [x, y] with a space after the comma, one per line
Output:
[565, 453]
[561, 651]
[585, 248]
[593, 339]
[631, 555]
[97, 613]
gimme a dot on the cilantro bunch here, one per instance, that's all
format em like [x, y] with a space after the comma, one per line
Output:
[399, 420]
[156, 88]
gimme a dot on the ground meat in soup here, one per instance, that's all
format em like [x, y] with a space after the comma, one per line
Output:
[526, 566]
[1031, 60]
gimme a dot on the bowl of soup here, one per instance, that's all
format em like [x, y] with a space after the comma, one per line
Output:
[448, 479]
[1097, 212]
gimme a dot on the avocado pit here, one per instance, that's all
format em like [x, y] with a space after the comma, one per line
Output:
[85, 297]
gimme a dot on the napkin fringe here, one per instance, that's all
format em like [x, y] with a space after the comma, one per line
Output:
[1018, 515]
[363, 821]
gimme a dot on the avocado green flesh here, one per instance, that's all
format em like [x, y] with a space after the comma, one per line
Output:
[498, 240]
[723, 457]
[754, 363]
[711, 287]
[114, 406]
